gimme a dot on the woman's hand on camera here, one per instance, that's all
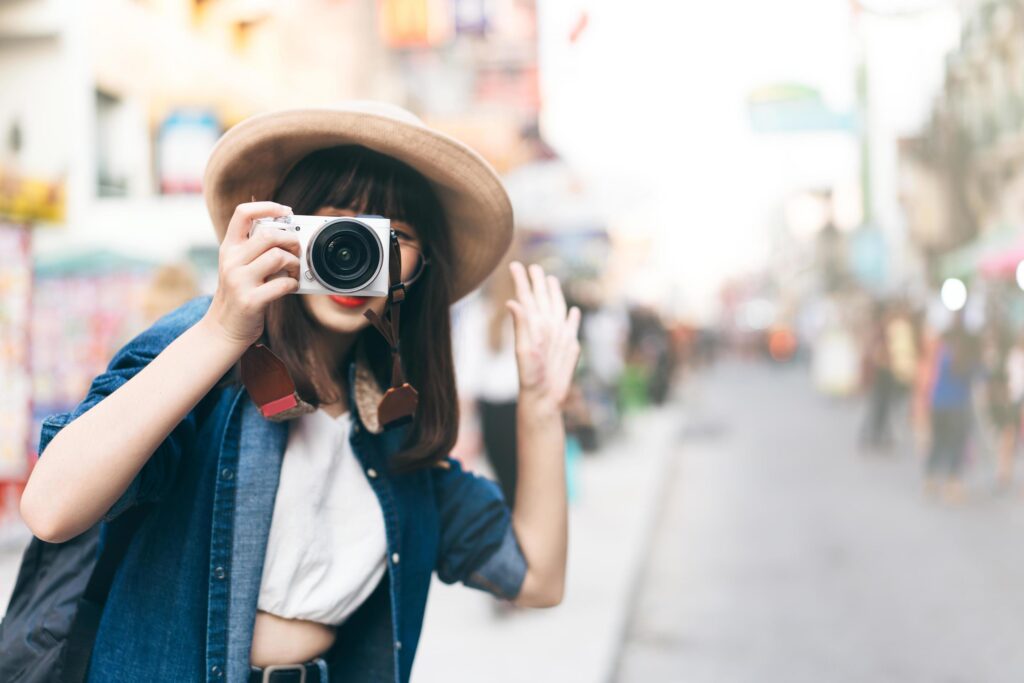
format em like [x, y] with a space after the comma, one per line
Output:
[244, 264]
[547, 347]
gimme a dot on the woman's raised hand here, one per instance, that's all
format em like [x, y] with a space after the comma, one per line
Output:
[547, 347]
[244, 264]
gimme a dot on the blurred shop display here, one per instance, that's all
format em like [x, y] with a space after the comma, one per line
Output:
[15, 367]
[15, 307]
[86, 305]
[61, 320]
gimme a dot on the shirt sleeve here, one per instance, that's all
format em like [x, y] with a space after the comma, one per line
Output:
[478, 543]
[156, 476]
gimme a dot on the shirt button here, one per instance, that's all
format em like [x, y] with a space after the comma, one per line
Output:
[226, 473]
[219, 572]
[398, 645]
[394, 558]
[217, 671]
[372, 473]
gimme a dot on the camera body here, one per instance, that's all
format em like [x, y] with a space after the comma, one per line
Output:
[338, 254]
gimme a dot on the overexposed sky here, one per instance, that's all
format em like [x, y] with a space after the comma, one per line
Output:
[649, 105]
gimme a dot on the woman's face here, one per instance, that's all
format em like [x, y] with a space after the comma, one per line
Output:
[344, 314]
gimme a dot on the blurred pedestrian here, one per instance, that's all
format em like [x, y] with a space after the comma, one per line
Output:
[955, 367]
[876, 432]
[171, 285]
[1015, 394]
[488, 377]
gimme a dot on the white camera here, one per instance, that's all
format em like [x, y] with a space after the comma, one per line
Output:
[338, 254]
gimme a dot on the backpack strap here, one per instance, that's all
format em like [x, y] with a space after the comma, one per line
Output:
[86, 623]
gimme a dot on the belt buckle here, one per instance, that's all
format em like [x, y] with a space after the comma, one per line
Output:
[285, 667]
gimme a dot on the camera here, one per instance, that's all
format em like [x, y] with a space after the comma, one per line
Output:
[338, 254]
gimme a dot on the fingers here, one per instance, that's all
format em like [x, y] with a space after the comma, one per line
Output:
[542, 302]
[557, 298]
[275, 289]
[567, 354]
[540, 290]
[246, 252]
[572, 323]
[270, 262]
[241, 221]
[524, 292]
[522, 332]
[567, 348]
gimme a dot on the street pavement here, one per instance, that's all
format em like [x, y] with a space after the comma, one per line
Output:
[784, 554]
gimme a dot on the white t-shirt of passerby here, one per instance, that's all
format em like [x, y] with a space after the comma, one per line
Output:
[480, 371]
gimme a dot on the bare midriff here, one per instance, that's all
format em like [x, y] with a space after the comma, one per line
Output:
[276, 640]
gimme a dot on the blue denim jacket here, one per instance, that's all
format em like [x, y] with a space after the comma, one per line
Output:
[183, 602]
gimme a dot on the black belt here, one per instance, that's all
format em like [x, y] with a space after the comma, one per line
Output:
[287, 673]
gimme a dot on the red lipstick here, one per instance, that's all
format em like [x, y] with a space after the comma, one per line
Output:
[348, 301]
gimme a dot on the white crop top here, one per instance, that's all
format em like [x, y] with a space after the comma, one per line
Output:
[327, 547]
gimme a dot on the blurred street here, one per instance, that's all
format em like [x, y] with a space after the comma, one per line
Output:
[784, 554]
[793, 251]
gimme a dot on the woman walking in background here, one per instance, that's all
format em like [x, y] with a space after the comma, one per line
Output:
[487, 372]
[877, 430]
[954, 369]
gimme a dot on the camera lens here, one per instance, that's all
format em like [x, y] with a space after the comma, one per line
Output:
[345, 255]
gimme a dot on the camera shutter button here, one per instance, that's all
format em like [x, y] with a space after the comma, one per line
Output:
[309, 275]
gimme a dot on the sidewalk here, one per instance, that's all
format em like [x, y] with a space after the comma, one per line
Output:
[13, 542]
[465, 639]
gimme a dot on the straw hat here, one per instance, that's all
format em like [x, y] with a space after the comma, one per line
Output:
[252, 157]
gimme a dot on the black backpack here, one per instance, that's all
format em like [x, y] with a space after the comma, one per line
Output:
[47, 634]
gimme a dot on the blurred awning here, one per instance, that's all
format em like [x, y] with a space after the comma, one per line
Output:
[1003, 264]
[88, 263]
[548, 195]
[989, 248]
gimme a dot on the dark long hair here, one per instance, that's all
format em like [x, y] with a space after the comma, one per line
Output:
[356, 178]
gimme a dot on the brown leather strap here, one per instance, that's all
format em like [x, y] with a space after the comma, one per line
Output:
[389, 325]
[400, 401]
[270, 386]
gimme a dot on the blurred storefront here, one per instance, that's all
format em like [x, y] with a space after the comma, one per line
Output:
[120, 101]
[962, 178]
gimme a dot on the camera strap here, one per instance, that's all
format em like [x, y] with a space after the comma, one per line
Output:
[401, 399]
[271, 387]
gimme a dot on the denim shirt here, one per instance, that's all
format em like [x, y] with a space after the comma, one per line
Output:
[183, 602]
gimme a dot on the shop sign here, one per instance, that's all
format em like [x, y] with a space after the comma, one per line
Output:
[792, 108]
[24, 199]
[183, 146]
[415, 23]
[472, 17]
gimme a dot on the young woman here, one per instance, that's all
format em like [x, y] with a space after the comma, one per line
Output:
[272, 548]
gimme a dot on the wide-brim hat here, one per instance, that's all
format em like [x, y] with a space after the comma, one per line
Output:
[252, 157]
